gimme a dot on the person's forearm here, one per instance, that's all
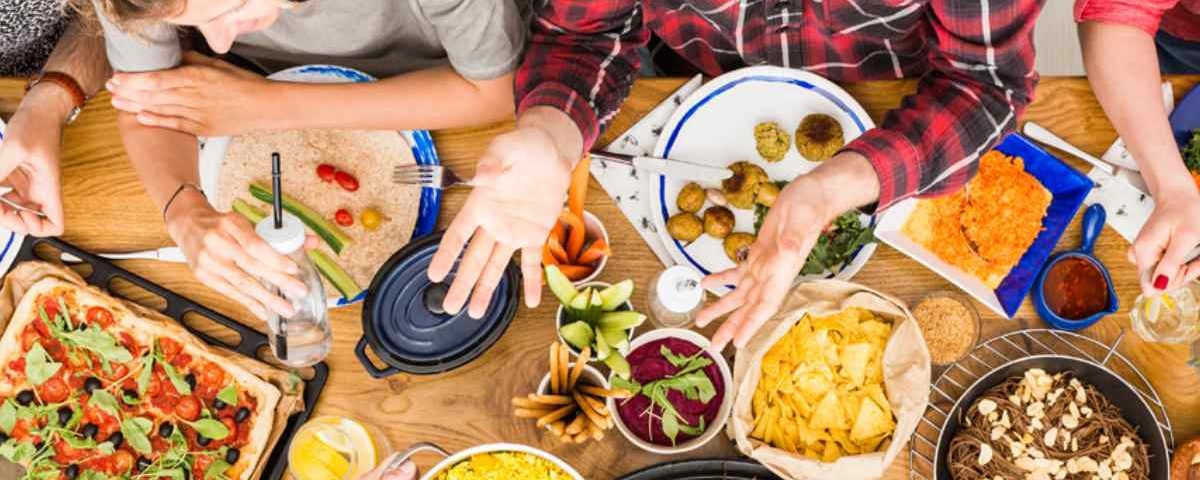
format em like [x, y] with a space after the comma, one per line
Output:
[427, 99]
[78, 54]
[1122, 65]
[846, 181]
[164, 159]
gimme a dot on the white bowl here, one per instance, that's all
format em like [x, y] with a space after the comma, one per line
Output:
[722, 414]
[454, 459]
[589, 372]
[595, 229]
[558, 321]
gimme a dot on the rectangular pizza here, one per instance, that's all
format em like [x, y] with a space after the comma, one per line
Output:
[91, 390]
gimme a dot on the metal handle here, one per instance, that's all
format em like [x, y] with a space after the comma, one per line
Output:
[1039, 133]
[360, 351]
[1093, 226]
[399, 458]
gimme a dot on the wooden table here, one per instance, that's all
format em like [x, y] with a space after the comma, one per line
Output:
[108, 211]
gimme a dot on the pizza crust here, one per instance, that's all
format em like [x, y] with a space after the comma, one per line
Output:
[143, 329]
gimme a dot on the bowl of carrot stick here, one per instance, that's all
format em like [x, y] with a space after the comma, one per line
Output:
[578, 243]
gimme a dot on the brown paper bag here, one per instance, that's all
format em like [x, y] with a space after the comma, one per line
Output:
[906, 371]
[25, 274]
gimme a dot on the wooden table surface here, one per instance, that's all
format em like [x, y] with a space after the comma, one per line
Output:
[108, 211]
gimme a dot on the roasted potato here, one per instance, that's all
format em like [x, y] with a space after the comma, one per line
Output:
[818, 137]
[737, 246]
[685, 227]
[718, 222]
[741, 188]
[771, 141]
[766, 195]
[691, 198]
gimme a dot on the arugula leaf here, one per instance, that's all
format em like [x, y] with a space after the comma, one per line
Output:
[176, 379]
[17, 452]
[107, 448]
[143, 379]
[216, 470]
[229, 395]
[836, 247]
[694, 431]
[210, 428]
[103, 343]
[105, 401]
[626, 384]
[8, 416]
[134, 430]
[1191, 152]
[676, 360]
[38, 367]
[173, 473]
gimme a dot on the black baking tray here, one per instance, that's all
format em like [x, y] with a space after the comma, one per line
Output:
[704, 469]
[104, 271]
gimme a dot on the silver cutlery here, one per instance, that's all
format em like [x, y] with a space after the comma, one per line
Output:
[165, 254]
[681, 170]
[1041, 134]
[433, 176]
[5, 190]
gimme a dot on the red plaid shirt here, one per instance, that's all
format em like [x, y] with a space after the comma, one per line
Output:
[974, 58]
[1180, 18]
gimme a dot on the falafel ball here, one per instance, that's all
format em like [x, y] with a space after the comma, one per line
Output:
[691, 198]
[718, 222]
[685, 227]
[771, 141]
[767, 193]
[819, 137]
[737, 246]
[741, 188]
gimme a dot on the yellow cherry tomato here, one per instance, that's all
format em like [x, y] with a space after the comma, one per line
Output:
[371, 219]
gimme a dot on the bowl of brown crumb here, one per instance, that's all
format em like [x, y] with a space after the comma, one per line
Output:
[950, 325]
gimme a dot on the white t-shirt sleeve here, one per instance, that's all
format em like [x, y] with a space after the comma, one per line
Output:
[483, 39]
[154, 47]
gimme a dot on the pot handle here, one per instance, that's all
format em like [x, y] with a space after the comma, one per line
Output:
[360, 351]
[399, 458]
[1093, 226]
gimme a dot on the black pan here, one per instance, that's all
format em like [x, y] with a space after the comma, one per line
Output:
[1117, 390]
[704, 469]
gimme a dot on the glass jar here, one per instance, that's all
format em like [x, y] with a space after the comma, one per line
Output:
[675, 297]
[336, 448]
[1170, 317]
[305, 338]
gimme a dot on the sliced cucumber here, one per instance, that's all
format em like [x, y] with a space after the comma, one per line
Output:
[618, 364]
[580, 302]
[578, 334]
[560, 285]
[620, 320]
[603, 350]
[326, 265]
[330, 233]
[616, 295]
[593, 311]
[614, 338]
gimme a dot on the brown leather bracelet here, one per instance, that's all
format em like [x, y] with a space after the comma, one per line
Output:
[67, 83]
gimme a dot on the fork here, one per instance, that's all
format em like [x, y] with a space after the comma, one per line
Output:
[5, 190]
[433, 176]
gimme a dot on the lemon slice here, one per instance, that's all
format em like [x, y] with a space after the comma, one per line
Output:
[352, 439]
[313, 459]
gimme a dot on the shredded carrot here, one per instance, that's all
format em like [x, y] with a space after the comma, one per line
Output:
[576, 234]
[577, 192]
[556, 249]
[594, 252]
[576, 272]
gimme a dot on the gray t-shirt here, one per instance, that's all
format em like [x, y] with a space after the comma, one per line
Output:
[29, 30]
[480, 39]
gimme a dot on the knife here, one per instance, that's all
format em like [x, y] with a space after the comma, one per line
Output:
[1039, 133]
[672, 168]
[165, 254]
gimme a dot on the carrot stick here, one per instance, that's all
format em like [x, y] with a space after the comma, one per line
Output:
[594, 252]
[576, 234]
[547, 257]
[577, 192]
[556, 249]
[576, 272]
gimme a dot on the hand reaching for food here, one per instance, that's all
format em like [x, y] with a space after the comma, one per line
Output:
[519, 188]
[789, 231]
[29, 163]
[226, 254]
[1162, 247]
[185, 100]
[387, 471]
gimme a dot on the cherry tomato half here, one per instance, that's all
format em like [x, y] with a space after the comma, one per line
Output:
[343, 217]
[346, 181]
[169, 347]
[54, 390]
[100, 315]
[188, 408]
[326, 172]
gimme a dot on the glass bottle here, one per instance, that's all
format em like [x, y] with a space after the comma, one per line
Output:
[1170, 317]
[675, 296]
[305, 338]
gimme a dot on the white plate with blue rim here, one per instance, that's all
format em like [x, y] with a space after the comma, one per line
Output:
[715, 126]
[10, 242]
[212, 152]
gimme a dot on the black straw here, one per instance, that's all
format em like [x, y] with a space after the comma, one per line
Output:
[277, 190]
[277, 206]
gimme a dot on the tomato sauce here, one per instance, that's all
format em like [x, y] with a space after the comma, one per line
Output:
[1075, 289]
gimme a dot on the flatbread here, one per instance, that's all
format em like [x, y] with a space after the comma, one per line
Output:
[369, 155]
[30, 280]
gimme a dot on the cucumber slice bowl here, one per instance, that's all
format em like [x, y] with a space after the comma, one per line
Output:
[596, 315]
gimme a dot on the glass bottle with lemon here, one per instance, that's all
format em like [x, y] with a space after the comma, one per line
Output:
[1169, 317]
[335, 448]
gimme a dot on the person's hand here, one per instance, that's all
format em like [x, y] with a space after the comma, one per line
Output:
[1161, 248]
[204, 97]
[227, 255]
[520, 185]
[385, 471]
[790, 230]
[29, 162]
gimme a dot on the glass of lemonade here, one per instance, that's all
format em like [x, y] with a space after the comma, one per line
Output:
[1171, 317]
[336, 448]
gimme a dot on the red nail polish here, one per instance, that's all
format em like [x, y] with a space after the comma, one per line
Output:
[1160, 282]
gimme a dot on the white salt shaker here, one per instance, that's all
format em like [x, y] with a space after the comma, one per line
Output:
[675, 297]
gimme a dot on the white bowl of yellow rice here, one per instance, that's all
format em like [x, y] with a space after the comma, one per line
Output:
[502, 461]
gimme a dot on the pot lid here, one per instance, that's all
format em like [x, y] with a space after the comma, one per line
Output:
[704, 469]
[404, 321]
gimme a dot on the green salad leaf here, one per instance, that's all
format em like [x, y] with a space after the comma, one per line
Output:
[210, 428]
[229, 394]
[835, 247]
[689, 380]
[102, 343]
[1191, 152]
[8, 416]
[38, 367]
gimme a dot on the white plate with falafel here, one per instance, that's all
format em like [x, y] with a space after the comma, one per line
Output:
[769, 125]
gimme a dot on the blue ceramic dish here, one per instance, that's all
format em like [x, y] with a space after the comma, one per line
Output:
[1093, 224]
